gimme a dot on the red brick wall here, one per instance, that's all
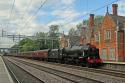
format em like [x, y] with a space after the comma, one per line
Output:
[107, 24]
[120, 46]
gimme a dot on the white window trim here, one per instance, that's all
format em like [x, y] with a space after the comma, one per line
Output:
[105, 34]
[99, 36]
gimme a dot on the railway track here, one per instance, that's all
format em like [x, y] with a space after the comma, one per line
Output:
[19, 75]
[115, 73]
[110, 72]
[98, 75]
[64, 75]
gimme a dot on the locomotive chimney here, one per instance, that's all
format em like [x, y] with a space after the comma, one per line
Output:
[91, 20]
[114, 9]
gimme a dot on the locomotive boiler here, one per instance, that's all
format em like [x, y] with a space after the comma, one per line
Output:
[75, 51]
[85, 55]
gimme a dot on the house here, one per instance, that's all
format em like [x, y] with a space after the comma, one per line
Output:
[109, 37]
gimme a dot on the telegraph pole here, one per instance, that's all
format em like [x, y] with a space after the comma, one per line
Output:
[13, 38]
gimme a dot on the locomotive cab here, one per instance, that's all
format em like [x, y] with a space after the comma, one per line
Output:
[90, 57]
[83, 58]
[93, 58]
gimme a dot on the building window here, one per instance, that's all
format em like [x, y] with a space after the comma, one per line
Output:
[107, 34]
[97, 37]
[104, 54]
[112, 54]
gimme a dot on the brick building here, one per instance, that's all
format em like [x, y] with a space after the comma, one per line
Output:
[109, 37]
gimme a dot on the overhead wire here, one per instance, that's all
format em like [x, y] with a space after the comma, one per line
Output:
[42, 4]
[27, 9]
[12, 8]
[95, 10]
[11, 12]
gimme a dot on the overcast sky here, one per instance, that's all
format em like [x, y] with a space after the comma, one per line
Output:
[66, 13]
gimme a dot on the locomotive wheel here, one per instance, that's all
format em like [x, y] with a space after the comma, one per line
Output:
[66, 61]
[77, 62]
[89, 65]
[83, 64]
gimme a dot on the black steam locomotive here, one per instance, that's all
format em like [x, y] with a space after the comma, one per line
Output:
[85, 55]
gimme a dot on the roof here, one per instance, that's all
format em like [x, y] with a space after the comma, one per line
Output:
[116, 18]
[119, 19]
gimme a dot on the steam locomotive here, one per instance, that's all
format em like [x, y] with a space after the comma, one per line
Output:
[85, 55]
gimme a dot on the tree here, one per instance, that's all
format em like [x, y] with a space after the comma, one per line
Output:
[41, 40]
[27, 45]
[14, 48]
[78, 26]
[54, 31]
[54, 36]
[39, 35]
[80, 29]
[72, 32]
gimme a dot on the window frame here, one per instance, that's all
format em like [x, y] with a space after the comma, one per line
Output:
[107, 34]
[97, 38]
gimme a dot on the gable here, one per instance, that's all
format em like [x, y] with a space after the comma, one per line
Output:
[108, 22]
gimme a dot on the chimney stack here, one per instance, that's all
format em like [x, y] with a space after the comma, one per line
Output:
[91, 20]
[114, 9]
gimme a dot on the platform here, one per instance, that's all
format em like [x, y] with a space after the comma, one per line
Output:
[111, 62]
[4, 74]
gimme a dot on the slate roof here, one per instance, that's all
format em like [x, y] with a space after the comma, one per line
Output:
[116, 18]
[119, 19]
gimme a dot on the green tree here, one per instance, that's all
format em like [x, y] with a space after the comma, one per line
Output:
[40, 35]
[54, 31]
[27, 45]
[41, 40]
[54, 36]
[72, 32]
[78, 26]
[14, 48]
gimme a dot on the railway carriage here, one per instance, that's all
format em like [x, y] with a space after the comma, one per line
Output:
[40, 54]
